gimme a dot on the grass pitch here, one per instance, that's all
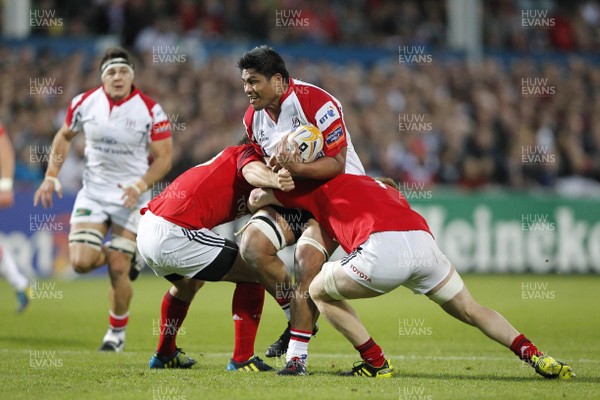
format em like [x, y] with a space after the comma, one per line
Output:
[49, 352]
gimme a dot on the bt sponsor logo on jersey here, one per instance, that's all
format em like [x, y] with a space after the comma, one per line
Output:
[326, 115]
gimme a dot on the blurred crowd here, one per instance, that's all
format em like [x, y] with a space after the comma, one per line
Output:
[443, 122]
[526, 25]
[519, 125]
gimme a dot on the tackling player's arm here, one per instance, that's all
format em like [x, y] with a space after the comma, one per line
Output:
[61, 144]
[300, 197]
[162, 154]
[259, 175]
[260, 198]
[256, 173]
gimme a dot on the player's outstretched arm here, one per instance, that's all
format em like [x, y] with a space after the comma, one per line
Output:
[61, 144]
[258, 174]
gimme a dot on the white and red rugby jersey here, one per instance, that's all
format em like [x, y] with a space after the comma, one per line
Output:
[117, 138]
[303, 104]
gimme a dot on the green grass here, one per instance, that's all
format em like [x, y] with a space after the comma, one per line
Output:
[447, 360]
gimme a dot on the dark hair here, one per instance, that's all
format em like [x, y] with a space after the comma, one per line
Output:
[265, 61]
[117, 52]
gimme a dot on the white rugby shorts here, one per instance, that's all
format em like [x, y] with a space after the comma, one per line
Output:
[96, 210]
[387, 260]
[175, 252]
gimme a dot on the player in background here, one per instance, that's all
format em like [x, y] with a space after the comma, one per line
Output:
[278, 105]
[389, 245]
[8, 267]
[176, 241]
[122, 127]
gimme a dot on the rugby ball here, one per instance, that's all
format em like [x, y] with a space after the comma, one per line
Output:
[310, 142]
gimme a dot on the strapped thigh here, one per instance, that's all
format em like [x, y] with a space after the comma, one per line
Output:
[268, 226]
[329, 281]
[454, 285]
[87, 237]
[124, 245]
[312, 242]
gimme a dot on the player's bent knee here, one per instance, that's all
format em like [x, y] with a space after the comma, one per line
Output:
[310, 252]
[447, 292]
[268, 227]
[81, 265]
[326, 284]
[316, 290]
[87, 237]
[255, 248]
[85, 244]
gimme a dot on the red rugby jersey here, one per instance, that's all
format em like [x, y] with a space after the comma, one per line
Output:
[208, 194]
[352, 207]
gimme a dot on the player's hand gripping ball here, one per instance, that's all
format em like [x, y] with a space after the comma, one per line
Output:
[310, 142]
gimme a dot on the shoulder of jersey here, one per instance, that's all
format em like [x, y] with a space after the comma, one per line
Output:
[148, 101]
